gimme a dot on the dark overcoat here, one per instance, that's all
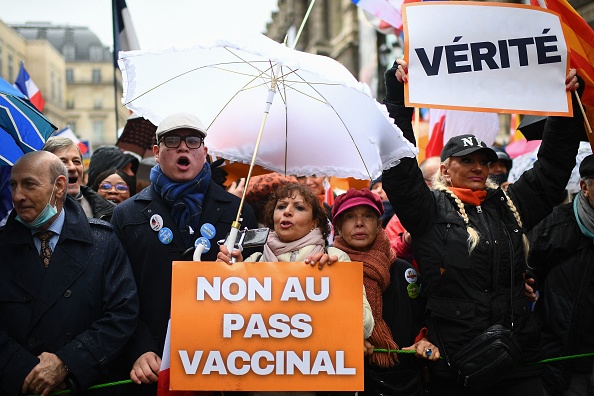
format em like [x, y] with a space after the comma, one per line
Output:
[83, 307]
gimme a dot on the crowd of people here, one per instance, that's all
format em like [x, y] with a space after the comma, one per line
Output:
[446, 247]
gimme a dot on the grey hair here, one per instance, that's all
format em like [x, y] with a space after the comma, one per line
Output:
[57, 143]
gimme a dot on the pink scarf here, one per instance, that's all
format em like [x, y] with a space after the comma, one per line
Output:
[274, 247]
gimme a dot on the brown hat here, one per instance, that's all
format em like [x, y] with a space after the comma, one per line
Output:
[354, 197]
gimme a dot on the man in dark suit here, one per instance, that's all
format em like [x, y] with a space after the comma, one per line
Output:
[68, 300]
[161, 224]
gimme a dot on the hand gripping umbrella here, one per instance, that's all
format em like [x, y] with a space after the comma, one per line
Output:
[288, 111]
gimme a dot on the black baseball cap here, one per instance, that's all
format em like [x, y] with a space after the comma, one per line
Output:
[461, 145]
[587, 166]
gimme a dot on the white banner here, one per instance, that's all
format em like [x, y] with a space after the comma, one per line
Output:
[495, 57]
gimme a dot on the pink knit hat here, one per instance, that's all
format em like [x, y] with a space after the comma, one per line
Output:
[354, 197]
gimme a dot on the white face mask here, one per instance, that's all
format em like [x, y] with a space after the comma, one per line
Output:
[46, 214]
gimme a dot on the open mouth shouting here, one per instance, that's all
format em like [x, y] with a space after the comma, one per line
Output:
[183, 162]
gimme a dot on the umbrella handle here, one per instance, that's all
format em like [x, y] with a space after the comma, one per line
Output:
[232, 238]
[198, 252]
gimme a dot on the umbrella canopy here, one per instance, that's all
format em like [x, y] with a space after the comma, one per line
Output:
[321, 120]
[22, 127]
[532, 126]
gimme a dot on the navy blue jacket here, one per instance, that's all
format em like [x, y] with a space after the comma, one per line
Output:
[83, 307]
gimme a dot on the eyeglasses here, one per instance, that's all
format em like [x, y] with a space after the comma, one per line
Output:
[173, 141]
[120, 187]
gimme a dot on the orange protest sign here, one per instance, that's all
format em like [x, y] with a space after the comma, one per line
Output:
[266, 326]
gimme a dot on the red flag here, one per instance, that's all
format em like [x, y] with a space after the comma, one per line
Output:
[437, 129]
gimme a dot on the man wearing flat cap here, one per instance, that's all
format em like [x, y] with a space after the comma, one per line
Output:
[161, 224]
[562, 255]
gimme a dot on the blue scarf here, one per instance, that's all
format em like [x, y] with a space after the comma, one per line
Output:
[185, 199]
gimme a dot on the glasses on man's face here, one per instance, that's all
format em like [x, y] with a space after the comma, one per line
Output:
[120, 187]
[173, 141]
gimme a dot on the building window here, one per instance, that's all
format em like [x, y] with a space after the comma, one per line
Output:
[96, 53]
[69, 75]
[60, 91]
[72, 125]
[69, 52]
[96, 75]
[70, 103]
[53, 86]
[98, 103]
[98, 131]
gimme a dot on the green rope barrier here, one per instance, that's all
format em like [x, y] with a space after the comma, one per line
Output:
[555, 359]
[98, 386]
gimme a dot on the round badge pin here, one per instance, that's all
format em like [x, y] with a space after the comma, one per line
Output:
[413, 290]
[202, 241]
[208, 231]
[156, 222]
[410, 275]
[165, 236]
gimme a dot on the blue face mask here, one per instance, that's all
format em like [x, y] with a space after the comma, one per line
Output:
[46, 215]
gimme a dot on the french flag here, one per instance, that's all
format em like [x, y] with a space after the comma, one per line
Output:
[28, 88]
[388, 11]
[165, 375]
[68, 133]
[124, 38]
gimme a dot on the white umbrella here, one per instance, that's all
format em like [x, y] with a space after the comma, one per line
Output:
[322, 120]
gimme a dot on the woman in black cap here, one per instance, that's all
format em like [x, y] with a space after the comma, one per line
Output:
[469, 239]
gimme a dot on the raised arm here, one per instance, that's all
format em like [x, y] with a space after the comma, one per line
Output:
[404, 184]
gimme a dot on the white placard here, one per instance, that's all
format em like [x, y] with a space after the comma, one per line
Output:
[502, 57]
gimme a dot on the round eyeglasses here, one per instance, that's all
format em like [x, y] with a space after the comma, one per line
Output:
[173, 141]
[120, 187]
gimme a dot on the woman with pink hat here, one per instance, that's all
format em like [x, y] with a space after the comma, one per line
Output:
[392, 287]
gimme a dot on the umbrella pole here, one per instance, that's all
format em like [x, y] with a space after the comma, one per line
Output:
[311, 4]
[230, 242]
